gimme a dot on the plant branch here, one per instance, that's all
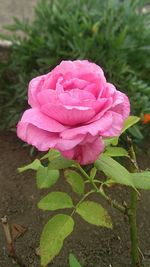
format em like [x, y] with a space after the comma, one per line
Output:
[10, 245]
[113, 203]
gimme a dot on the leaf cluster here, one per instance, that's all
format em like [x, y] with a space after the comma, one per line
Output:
[61, 225]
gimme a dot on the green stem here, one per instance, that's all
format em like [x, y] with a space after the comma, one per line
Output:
[132, 212]
[133, 229]
[113, 203]
[81, 200]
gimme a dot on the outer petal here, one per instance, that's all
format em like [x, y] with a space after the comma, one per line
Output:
[35, 86]
[116, 126]
[34, 136]
[120, 102]
[86, 153]
[64, 144]
[121, 105]
[77, 67]
[93, 128]
[109, 91]
[37, 118]
[44, 140]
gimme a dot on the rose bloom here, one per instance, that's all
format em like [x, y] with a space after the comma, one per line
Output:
[72, 108]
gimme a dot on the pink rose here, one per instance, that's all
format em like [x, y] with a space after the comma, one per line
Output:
[72, 108]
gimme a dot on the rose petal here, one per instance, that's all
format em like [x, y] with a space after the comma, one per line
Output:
[96, 81]
[34, 136]
[35, 86]
[84, 70]
[108, 92]
[86, 153]
[64, 144]
[93, 128]
[68, 115]
[116, 126]
[100, 106]
[74, 83]
[44, 140]
[121, 105]
[75, 97]
[51, 80]
[37, 118]
[76, 68]
[47, 97]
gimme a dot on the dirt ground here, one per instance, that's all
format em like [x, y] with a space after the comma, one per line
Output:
[94, 246]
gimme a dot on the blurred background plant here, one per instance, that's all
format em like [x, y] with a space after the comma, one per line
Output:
[114, 34]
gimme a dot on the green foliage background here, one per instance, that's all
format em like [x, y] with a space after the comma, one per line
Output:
[113, 33]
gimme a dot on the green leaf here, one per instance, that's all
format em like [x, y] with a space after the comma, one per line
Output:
[131, 120]
[94, 213]
[60, 163]
[141, 180]
[113, 170]
[116, 152]
[46, 178]
[53, 235]
[73, 262]
[75, 180]
[55, 201]
[32, 166]
[136, 132]
[111, 141]
[52, 154]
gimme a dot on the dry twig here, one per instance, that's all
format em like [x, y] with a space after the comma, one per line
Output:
[10, 245]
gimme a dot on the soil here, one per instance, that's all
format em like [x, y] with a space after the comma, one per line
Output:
[93, 246]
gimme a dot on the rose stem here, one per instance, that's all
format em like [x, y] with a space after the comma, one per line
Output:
[133, 229]
[132, 212]
[113, 203]
[10, 245]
